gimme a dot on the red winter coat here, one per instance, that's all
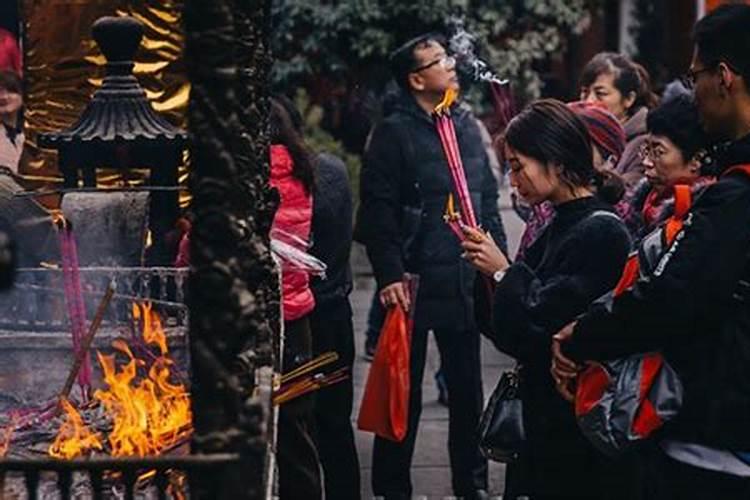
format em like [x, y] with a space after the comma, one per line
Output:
[294, 216]
[10, 55]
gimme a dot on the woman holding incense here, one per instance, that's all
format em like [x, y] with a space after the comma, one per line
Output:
[292, 175]
[577, 258]
[608, 143]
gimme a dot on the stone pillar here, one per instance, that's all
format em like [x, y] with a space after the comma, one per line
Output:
[233, 286]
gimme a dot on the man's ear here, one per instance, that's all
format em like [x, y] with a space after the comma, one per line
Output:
[416, 82]
[726, 75]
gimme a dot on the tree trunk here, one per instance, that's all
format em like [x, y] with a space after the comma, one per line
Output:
[233, 285]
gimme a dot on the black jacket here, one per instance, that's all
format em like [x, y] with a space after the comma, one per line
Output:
[405, 184]
[332, 229]
[577, 258]
[693, 310]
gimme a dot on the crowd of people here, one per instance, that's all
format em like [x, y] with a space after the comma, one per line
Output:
[592, 180]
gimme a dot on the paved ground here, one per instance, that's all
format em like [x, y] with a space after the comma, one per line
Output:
[430, 469]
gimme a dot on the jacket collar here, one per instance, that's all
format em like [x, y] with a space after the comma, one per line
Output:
[732, 153]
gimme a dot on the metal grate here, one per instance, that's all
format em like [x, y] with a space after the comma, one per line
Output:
[104, 478]
[37, 301]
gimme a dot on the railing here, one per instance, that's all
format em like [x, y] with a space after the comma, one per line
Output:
[100, 478]
[37, 300]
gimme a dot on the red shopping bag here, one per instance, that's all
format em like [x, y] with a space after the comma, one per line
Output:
[385, 404]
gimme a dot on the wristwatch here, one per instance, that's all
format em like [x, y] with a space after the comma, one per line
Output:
[498, 275]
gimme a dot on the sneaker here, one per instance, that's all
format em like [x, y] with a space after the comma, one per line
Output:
[370, 346]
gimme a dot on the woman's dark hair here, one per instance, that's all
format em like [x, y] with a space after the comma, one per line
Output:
[724, 36]
[402, 60]
[284, 133]
[550, 132]
[10, 81]
[628, 77]
[678, 120]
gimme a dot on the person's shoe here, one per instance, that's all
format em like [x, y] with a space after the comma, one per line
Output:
[442, 387]
[370, 346]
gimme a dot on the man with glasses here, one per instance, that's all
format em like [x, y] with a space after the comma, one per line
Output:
[694, 308]
[405, 183]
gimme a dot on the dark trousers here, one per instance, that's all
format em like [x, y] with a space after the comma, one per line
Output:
[296, 454]
[375, 318]
[461, 364]
[669, 479]
[332, 330]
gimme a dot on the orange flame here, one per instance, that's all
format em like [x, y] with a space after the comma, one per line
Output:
[73, 438]
[5, 436]
[153, 333]
[449, 98]
[150, 413]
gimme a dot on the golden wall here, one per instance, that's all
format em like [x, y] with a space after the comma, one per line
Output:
[63, 67]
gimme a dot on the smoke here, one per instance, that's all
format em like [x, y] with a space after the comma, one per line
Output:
[462, 44]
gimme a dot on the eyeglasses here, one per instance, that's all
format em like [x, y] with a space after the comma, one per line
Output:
[689, 78]
[445, 62]
[653, 153]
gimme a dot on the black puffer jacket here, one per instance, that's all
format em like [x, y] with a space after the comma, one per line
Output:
[405, 184]
[332, 229]
[695, 311]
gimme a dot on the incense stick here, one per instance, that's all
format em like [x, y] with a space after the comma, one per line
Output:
[85, 344]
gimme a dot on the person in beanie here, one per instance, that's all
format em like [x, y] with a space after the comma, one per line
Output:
[608, 141]
[405, 183]
[693, 308]
[624, 88]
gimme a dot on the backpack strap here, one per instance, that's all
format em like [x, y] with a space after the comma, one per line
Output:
[683, 200]
[744, 168]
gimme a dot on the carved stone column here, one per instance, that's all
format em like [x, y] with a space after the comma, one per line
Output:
[233, 287]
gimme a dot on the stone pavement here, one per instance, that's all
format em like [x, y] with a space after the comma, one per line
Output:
[430, 469]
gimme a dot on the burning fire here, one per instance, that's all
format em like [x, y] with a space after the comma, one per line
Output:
[74, 438]
[5, 436]
[449, 98]
[150, 413]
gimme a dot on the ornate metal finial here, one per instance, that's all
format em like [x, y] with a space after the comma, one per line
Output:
[118, 38]
[119, 111]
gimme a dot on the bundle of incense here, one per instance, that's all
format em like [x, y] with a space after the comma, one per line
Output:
[319, 362]
[447, 133]
[308, 384]
[74, 298]
[453, 219]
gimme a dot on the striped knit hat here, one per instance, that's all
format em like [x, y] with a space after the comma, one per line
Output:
[604, 128]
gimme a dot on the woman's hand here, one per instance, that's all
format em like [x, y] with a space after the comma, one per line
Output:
[482, 252]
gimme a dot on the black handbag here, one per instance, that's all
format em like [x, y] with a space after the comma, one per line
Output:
[501, 434]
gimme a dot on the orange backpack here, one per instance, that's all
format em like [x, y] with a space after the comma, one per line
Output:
[619, 403]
